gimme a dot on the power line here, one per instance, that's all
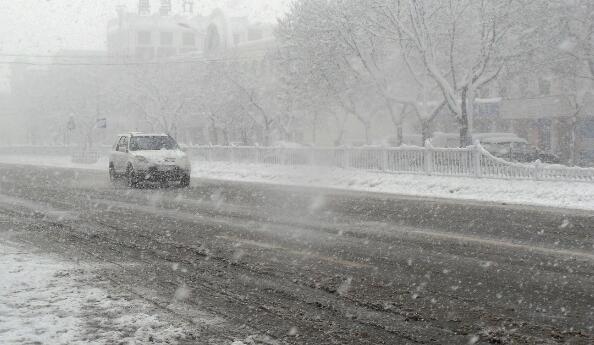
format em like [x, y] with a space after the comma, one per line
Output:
[62, 56]
[131, 63]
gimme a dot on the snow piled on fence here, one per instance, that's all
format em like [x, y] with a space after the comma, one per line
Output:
[575, 195]
[46, 301]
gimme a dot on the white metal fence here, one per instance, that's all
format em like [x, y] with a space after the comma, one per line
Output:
[473, 161]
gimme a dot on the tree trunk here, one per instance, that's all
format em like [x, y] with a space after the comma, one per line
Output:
[339, 141]
[314, 129]
[399, 136]
[573, 144]
[425, 131]
[266, 133]
[397, 120]
[341, 123]
[225, 137]
[367, 133]
[465, 139]
[214, 135]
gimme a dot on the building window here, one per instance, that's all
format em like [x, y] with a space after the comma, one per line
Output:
[144, 7]
[165, 7]
[526, 88]
[189, 39]
[544, 87]
[543, 127]
[489, 109]
[144, 38]
[166, 38]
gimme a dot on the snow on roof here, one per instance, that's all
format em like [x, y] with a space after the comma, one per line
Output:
[149, 135]
[503, 140]
[498, 138]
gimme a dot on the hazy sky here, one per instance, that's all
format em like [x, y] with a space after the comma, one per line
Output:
[44, 26]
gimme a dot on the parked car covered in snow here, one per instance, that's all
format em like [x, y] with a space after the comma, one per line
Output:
[513, 148]
[508, 146]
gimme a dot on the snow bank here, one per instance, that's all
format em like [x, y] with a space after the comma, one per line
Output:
[45, 301]
[573, 195]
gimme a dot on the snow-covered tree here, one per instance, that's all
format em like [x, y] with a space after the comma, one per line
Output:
[462, 45]
[342, 49]
[323, 42]
[573, 58]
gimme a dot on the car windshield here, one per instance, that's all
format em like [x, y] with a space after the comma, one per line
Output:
[152, 143]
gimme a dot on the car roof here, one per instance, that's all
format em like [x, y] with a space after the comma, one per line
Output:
[140, 134]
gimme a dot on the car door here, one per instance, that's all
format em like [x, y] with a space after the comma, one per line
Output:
[121, 156]
[113, 155]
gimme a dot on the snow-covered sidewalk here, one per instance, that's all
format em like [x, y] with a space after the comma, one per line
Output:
[573, 195]
[47, 301]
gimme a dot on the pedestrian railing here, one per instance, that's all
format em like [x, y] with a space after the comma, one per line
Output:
[472, 161]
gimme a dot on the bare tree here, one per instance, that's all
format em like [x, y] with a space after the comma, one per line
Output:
[162, 93]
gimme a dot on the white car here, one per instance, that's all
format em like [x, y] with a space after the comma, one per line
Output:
[140, 157]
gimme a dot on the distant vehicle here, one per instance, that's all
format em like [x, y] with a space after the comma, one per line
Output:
[140, 157]
[503, 144]
[515, 149]
[508, 146]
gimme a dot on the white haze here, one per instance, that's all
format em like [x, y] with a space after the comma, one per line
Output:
[44, 26]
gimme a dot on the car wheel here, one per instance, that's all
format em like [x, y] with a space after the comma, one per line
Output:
[185, 181]
[131, 178]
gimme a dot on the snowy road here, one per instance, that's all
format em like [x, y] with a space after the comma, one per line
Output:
[273, 264]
